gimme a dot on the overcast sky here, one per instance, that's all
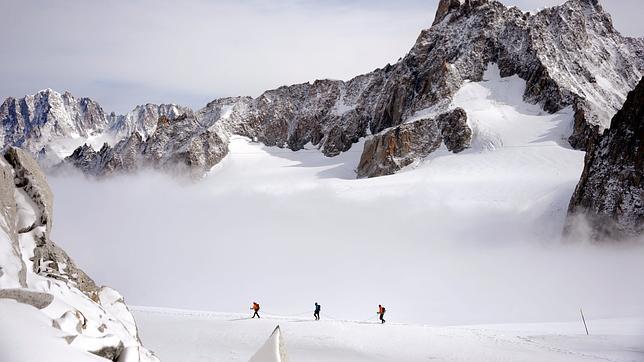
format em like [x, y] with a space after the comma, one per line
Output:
[131, 52]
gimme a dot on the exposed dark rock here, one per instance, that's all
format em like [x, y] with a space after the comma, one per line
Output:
[584, 133]
[125, 156]
[110, 352]
[610, 195]
[457, 135]
[444, 7]
[400, 146]
[28, 176]
[180, 145]
[36, 299]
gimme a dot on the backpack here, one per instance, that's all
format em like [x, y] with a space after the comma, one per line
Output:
[384, 310]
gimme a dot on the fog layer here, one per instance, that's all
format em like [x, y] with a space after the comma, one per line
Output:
[288, 230]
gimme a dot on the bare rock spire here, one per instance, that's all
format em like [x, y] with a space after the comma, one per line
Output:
[444, 8]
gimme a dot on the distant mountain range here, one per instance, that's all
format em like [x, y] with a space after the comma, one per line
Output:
[569, 55]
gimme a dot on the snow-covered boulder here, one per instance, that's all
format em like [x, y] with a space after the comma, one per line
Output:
[38, 277]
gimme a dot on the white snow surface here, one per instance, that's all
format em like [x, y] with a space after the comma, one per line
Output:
[192, 336]
[273, 349]
[471, 238]
[27, 335]
[500, 119]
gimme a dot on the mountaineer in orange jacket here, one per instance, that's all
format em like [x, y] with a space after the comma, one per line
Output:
[381, 311]
[255, 307]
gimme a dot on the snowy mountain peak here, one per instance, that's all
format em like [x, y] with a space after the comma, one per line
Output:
[49, 119]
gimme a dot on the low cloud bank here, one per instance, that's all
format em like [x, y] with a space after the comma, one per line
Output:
[219, 245]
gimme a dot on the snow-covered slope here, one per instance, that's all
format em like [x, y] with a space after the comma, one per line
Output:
[191, 336]
[50, 309]
[502, 121]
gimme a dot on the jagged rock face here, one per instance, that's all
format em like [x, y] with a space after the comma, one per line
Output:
[549, 50]
[180, 145]
[35, 121]
[184, 145]
[48, 259]
[568, 55]
[400, 146]
[35, 271]
[123, 157]
[143, 119]
[593, 65]
[331, 114]
[610, 194]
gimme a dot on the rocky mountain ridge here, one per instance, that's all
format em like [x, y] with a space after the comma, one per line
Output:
[610, 196]
[569, 55]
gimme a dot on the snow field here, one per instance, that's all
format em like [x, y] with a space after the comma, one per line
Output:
[220, 337]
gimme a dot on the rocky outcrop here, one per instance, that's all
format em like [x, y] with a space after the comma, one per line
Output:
[143, 119]
[37, 300]
[180, 145]
[123, 157]
[457, 135]
[36, 272]
[29, 177]
[400, 146]
[610, 196]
